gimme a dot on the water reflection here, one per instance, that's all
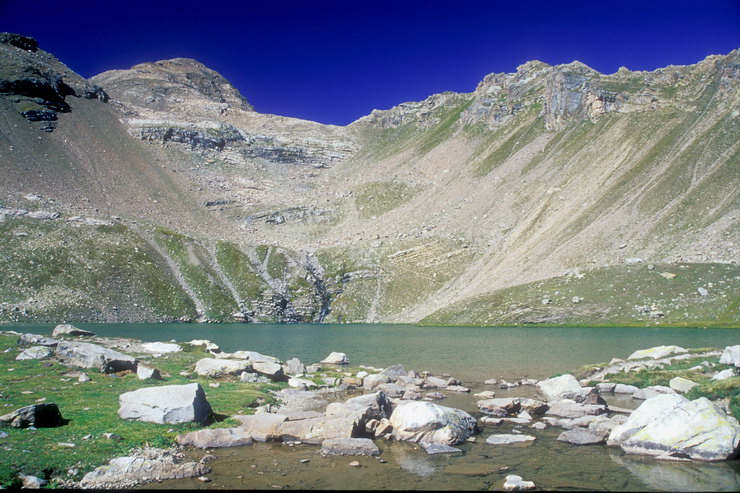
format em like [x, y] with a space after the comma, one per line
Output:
[680, 476]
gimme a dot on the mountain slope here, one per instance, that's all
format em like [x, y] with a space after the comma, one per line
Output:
[427, 211]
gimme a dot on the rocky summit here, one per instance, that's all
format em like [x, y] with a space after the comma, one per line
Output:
[552, 195]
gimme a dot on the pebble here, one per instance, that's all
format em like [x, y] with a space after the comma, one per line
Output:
[204, 479]
[354, 463]
[303, 461]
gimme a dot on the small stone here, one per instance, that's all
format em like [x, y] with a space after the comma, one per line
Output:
[304, 461]
[516, 483]
[204, 479]
[354, 463]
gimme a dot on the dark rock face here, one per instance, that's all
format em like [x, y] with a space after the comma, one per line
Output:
[38, 415]
[37, 82]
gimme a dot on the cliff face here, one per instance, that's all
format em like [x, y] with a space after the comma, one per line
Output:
[463, 208]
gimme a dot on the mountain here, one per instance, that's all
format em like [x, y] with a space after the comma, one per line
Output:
[553, 195]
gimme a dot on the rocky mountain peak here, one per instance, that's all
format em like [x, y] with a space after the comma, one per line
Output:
[179, 85]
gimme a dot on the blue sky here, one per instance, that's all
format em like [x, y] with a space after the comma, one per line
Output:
[335, 61]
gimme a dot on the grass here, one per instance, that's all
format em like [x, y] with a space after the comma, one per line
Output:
[90, 409]
[610, 296]
[711, 389]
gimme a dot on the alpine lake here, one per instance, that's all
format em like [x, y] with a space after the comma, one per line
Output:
[472, 355]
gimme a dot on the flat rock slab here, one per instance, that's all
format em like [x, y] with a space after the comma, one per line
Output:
[440, 448]
[336, 358]
[166, 404]
[579, 436]
[37, 340]
[657, 352]
[216, 368]
[516, 483]
[130, 471]
[349, 446]
[161, 347]
[215, 438]
[504, 439]
[263, 427]
[567, 408]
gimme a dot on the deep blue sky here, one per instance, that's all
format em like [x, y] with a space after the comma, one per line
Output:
[334, 61]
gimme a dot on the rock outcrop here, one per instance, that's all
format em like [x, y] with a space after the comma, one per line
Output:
[166, 404]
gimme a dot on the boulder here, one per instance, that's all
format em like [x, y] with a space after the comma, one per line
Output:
[506, 439]
[567, 408]
[434, 383]
[34, 352]
[294, 367]
[581, 436]
[301, 383]
[252, 356]
[69, 330]
[336, 359]
[657, 352]
[161, 347]
[271, 370]
[262, 427]
[145, 372]
[516, 483]
[671, 425]
[86, 355]
[36, 340]
[217, 437]
[533, 406]
[722, 375]
[209, 346]
[371, 382]
[395, 372]
[316, 430]
[349, 446]
[652, 391]
[682, 385]
[216, 368]
[44, 415]
[621, 388]
[166, 404]
[132, 470]
[419, 421]
[500, 406]
[731, 356]
[557, 388]
[367, 407]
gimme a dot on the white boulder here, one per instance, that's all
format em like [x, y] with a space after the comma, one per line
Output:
[657, 352]
[336, 359]
[166, 404]
[731, 356]
[420, 421]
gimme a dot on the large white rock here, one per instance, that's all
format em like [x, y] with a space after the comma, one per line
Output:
[86, 355]
[731, 356]
[670, 424]
[161, 347]
[215, 368]
[682, 385]
[35, 352]
[557, 388]
[723, 375]
[166, 404]
[657, 352]
[272, 370]
[70, 330]
[418, 421]
[336, 359]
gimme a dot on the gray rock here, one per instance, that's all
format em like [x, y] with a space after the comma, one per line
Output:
[652, 391]
[419, 421]
[557, 388]
[434, 383]
[580, 436]
[44, 415]
[621, 388]
[395, 372]
[271, 370]
[605, 387]
[215, 438]
[133, 470]
[86, 355]
[506, 439]
[294, 367]
[37, 340]
[731, 356]
[724, 374]
[567, 408]
[262, 427]
[435, 395]
[336, 359]
[657, 352]
[371, 382]
[35, 352]
[533, 406]
[671, 425]
[161, 347]
[70, 330]
[145, 372]
[500, 406]
[369, 406]
[32, 482]
[682, 385]
[216, 368]
[252, 356]
[440, 448]
[349, 446]
[166, 404]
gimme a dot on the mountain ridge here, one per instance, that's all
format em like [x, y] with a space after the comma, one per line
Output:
[403, 214]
